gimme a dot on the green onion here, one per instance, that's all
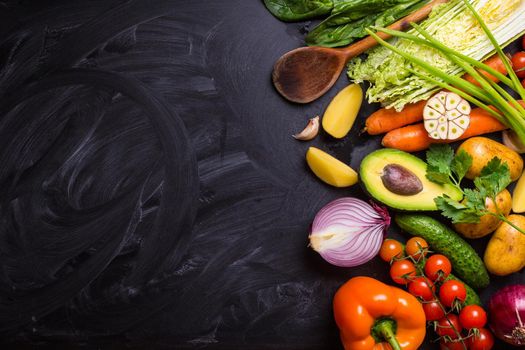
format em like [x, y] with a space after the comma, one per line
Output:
[510, 112]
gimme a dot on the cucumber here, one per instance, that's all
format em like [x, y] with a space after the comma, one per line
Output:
[465, 261]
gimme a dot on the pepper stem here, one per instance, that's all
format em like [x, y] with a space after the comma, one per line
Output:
[385, 330]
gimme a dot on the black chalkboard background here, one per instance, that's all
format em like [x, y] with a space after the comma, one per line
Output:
[151, 195]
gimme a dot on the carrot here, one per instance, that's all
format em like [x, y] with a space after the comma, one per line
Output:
[385, 120]
[413, 138]
[494, 62]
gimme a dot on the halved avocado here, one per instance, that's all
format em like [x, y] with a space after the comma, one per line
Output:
[372, 170]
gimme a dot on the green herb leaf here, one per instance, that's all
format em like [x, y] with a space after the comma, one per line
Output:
[456, 211]
[445, 167]
[494, 177]
[440, 155]
[435, 175]
[460, 164]
[475, 199]
[439, 158]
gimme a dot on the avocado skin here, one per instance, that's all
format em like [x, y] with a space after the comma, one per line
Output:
[465, 261]
[373, 186]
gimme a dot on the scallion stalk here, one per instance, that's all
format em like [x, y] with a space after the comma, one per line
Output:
[461, 93]
[437, 45]
[517, 84]
[461, 83]
[510, 112]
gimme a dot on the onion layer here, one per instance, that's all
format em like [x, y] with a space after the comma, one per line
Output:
[348, 231]
[507, 314]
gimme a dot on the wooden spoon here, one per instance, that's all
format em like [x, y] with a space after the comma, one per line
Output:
[304, 74]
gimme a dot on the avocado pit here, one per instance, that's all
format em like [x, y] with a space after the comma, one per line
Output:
[400, 180]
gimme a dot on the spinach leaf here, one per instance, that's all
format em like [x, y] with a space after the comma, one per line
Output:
[298, 10]
[326, 34]
[351, 10]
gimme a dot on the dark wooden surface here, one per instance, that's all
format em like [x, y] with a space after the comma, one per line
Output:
[151, 194]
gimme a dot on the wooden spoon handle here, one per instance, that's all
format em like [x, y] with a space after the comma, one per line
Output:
[369, 42]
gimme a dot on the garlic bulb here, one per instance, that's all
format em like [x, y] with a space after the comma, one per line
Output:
[446, 116]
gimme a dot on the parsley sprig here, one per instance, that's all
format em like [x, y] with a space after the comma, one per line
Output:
[447, 168]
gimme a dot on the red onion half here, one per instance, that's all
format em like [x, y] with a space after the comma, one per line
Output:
[507, 314]
[348, 231]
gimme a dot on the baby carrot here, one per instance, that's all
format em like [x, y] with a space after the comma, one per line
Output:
[384, 120]
[413, 138]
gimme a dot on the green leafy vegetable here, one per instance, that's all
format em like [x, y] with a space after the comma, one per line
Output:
[396, 80]
[446, 168]
[349, 20]
[494, 178]
[507, 109]
[298, 10]
[457, 211]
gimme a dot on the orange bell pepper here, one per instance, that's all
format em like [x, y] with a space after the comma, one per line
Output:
[374, 316]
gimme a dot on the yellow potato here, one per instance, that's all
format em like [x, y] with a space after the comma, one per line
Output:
[329, 169]
[505, 253]
[482, 150]
[518, 197]
[487, 223]
[343, 109]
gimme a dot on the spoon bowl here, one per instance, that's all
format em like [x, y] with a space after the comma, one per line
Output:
[304, 74]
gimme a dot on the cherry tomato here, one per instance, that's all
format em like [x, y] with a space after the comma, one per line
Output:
[518, 64]
[484, 341]
[523, 83]
[437, 265]
[451, 345]
[422, 287]
[446, 326]
[450, 291]
[391, 249]
[416, 246]
[433, 311]
[473, 316]
[402, 271]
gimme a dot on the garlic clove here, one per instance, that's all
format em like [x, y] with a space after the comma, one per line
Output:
[454, 131]
[442, 96]
[442, 130]
[431, 113]
[310, 131]
[435, 103]
[463, 121]
[434, 135]
[464, 107]
[431, 125]
[453, 114]
[452, 101]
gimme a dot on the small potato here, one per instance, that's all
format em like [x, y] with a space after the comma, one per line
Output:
[505, 253]
[487, 223]
[329, 169]
[482, 150]
[340, 114]
[518, 196]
